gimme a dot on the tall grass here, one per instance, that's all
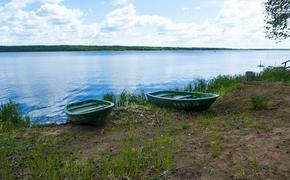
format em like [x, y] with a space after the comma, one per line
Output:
[220, 84]
[10, 117]
[274, 74]
[225, 83]
[126, 98]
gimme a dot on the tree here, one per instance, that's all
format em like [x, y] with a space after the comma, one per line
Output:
[277, 19]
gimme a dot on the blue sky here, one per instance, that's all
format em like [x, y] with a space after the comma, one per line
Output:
[189, 23]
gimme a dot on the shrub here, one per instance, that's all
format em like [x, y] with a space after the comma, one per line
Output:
[274, 74]
[258, 103]
[10, 117]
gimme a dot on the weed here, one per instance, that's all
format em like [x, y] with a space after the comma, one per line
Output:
[220, 84]
[215, 143]
[10, 117]
[110, 97]
[186, 126]
[79, 169]
[259, 102]
[240, 172]
[128, 122]
[153, 157]
[6, 165]
[126, 98]
[254, 165]
[172, 130]
[44, 161]
[274, 74]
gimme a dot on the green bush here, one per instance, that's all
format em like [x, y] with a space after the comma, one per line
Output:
[126, 98]
[220, 84]
[259, 102]
[10, 117]
[274, 74]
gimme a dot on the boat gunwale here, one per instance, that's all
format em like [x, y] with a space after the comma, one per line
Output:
[172, 99]
[110, 105]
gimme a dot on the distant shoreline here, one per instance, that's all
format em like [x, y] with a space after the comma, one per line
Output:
[63, 48]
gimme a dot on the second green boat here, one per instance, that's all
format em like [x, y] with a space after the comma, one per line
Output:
[182, 100]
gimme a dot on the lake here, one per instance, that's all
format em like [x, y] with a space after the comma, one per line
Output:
[44, 82]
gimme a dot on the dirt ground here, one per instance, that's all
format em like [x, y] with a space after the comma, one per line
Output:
[258, 148]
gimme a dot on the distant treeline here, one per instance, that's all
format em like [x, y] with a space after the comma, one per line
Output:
[35, 48]
[94, 48]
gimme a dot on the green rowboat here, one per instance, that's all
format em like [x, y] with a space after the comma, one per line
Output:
[92, 112]
[182, 100]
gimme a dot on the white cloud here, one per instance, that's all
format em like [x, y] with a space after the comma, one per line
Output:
[56, 13]
[121, 2]
[51, 23]
[239, 24]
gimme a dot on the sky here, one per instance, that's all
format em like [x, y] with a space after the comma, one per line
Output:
[186, 23]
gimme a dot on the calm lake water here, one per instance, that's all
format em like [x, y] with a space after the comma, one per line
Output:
[43, 82]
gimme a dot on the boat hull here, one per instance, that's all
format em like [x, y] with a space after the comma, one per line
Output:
[94, 117]
[202, 102]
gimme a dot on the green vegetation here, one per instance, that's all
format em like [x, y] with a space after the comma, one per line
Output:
[249, 171]
[226, 83]
[274, 74]
[220, 84]
[10, 117]
[277, 19]
[110, 97]
[259, 103]
[149, 160]
[240, 172]
[126, 98]
[215, 143]
[254, 166]
[40, 160]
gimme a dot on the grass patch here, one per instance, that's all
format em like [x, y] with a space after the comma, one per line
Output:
[220, 84]
[250, 170]
[240, 172]
[6, 165]
[126, 98]
[259, 103]
[226, 122]
[43, 161]
[274, 74]
[254, 166]
[215, 143]
[40, 159]
[150, 159]
[10, 117]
